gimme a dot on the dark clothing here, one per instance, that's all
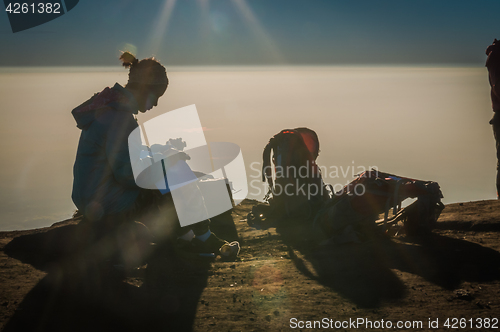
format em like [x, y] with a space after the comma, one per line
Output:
[103, 179]
[493, 65]
[495, 122]
[104, 188]
[151, 203]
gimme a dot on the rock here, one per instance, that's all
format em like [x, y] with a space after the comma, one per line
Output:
[464, 294]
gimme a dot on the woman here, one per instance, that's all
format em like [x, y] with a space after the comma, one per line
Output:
[104, 189]
[103, 180]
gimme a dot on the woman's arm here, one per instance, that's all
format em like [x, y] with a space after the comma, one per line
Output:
[117, 149]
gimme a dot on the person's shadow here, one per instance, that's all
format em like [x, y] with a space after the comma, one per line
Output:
[363, 272]
[80, 293]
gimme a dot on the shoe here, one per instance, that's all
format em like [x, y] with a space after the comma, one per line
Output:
[216, 246]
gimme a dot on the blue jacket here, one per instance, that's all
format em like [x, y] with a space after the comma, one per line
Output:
[103, 179]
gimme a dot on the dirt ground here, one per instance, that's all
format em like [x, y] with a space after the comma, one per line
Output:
[279, 282]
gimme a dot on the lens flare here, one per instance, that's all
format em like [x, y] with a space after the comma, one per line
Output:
[159, 31]
[260, 33]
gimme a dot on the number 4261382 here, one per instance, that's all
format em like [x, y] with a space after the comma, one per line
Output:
[40, 8]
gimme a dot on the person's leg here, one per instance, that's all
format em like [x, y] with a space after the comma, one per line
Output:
[197, 237]
[206, 242]
[201, 229]
[203, 241]
[496, 134]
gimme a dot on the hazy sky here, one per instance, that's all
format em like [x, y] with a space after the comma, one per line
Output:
[233, 32]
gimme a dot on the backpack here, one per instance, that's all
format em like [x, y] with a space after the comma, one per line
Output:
[358, 205]
[296, 188]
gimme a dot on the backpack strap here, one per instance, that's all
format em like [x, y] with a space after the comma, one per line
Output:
[266, 163]
[266, 156]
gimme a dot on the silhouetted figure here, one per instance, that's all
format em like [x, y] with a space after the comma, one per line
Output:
[493, 65]
[104, 187]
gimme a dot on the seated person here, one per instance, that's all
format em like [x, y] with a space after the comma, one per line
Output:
[104, 188]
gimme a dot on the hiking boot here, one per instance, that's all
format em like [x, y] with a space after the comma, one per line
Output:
[216, 246]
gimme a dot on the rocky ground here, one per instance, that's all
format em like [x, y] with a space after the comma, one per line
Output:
[279, 282]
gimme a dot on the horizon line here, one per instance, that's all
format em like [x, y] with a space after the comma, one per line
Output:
[177, 68]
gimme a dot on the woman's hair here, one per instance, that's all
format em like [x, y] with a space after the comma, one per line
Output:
[128, 59]
[144, 72]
